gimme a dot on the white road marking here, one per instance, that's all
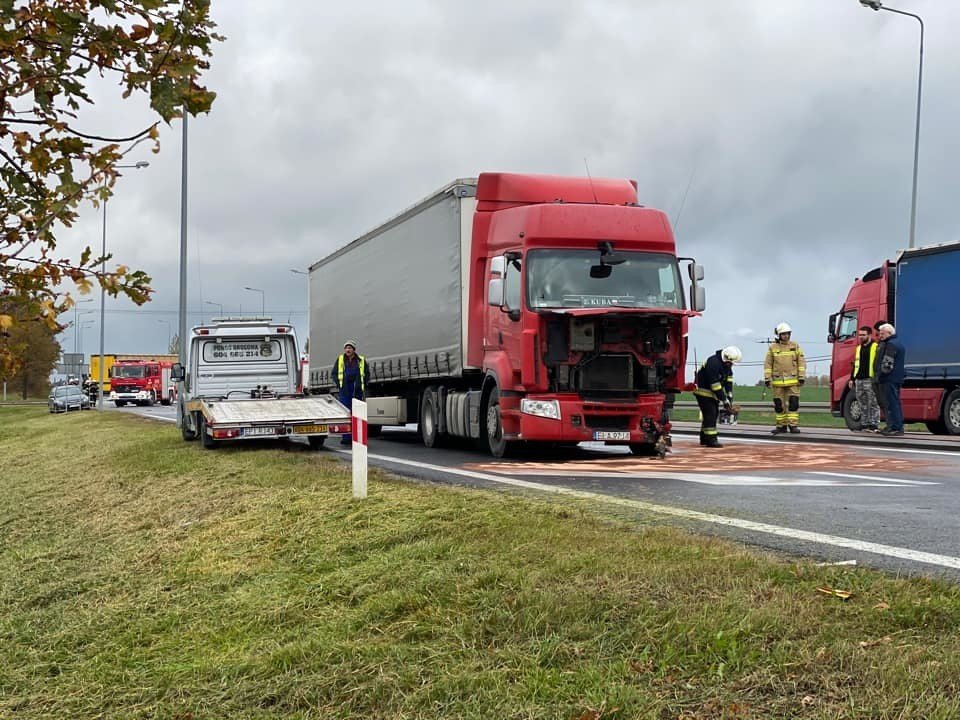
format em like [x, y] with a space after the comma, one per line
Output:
[792, 533]
[891, 481]
[718, 479]
[859, 446]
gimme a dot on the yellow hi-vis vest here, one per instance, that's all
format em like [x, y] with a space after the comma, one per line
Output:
[856, 360]
[340, 372]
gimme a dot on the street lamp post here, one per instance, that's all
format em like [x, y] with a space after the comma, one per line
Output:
[103, 293]
[876, 5]
[219, 305]
[168, 332]
[76, 321]
[263, 312]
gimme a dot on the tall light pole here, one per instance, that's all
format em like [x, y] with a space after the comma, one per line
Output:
[219, 305]
[168, 332]
[84, 326]
[76, 320]
[263, 312]
[182, 324]
[103, 293]
[876, 5]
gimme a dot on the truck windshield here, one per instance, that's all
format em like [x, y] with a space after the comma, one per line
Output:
[561, 278]
[131, 371]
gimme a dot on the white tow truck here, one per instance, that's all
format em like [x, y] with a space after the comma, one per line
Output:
[243, 382]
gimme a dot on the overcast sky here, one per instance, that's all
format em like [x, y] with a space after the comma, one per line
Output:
[791, 123]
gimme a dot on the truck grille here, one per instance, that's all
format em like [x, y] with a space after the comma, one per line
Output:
[608, 372]
[607, 422]
[126, 388]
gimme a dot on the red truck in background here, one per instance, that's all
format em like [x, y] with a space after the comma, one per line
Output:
[916, 293]
[141, 382]
[513, 309]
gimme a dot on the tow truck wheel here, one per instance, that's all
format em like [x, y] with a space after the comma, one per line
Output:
[852, 414]
[493, 427]
[205, 438]
[119, 403]
[316, 441]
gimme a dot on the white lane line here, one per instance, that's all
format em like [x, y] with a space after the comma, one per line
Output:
[858, 446]
[713, 479]
[804, 535]
[891, 481]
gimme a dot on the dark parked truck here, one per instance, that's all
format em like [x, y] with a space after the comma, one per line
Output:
[513, 308]
[916, 293]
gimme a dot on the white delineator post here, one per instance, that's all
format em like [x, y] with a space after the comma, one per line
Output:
[359, 429]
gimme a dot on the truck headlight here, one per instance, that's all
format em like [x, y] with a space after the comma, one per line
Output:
[541, 408]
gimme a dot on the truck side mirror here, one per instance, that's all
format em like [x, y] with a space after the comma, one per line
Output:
[698, 298]
[695, 271]
[832, 328]
[495, 292]
[176, 372]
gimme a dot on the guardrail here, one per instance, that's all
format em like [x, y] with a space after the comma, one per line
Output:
[758, 405]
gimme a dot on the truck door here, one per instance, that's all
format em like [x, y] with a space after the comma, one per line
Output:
[504, 326]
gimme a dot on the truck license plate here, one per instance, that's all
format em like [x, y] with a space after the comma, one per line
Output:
[259, 431]
[306, 429]
[611, 435]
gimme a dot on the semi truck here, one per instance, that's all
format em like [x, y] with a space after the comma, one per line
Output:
[141, 382]
[242, 382]
[513, 309]
[914, 292]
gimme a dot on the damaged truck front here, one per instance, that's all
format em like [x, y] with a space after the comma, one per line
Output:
[515, 309]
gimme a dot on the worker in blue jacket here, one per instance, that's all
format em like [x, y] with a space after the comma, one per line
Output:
[350, 376]
[890, 379]
[714, 382]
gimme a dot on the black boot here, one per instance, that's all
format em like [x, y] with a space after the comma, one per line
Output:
[779, 430]
[713, 442]
[794, 429]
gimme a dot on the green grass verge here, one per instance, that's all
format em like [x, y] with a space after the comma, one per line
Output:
[142, 577]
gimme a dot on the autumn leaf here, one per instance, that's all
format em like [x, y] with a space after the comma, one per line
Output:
[842, 594]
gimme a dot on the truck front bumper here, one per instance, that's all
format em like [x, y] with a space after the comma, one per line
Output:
[138, 396]
[585, 420]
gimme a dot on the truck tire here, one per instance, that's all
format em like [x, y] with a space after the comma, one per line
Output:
[429, 419]
[374, 430]
[493, 427]
[167, 401]
[316, 441]
[205, 439]
[951, 413]
[852, 415]
[152, 400]
[119, 403]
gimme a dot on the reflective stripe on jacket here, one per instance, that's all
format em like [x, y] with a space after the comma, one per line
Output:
[715, 379]
[784, 364]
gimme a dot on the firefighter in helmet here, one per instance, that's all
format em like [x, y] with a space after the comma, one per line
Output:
[785, 370]
[714, 384]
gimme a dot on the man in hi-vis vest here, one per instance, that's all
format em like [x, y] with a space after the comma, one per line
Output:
[785, 370]
[350, 374]
[862, 379]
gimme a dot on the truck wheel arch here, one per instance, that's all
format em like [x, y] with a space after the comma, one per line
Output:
[951, 412]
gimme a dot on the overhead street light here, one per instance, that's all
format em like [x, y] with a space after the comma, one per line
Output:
[877, 5]
[263, 312]
[219, 305]
[76, 317]
[103, 271]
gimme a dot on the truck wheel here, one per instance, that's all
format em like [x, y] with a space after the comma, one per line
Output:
[119, 403]
[205, 438]
[374, 430]
[188, 431]
[951, 412]
[852, 415]
[429, 419]
[152, 400]
[493, 427]
[167, 400]
[316, 441]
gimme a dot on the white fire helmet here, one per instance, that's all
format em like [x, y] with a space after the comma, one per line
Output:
[782, 328]
[731, 354]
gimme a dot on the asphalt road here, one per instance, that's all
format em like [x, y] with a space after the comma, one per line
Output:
[874, 503]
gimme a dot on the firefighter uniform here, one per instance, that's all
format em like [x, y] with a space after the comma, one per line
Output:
[785, 370]
[714, 385]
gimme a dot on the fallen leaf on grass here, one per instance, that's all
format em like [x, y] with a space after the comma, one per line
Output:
[842, 594]
[881, 606]
[808, 700]
[873, 643]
